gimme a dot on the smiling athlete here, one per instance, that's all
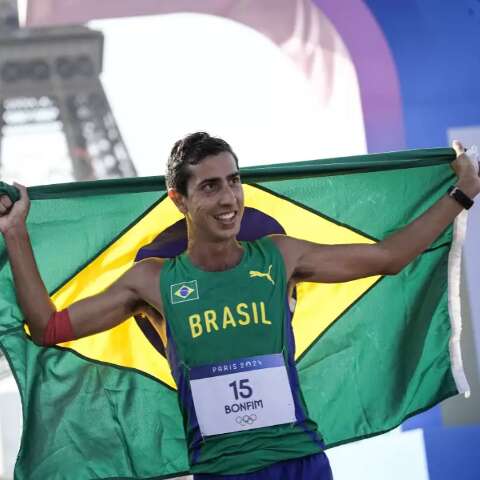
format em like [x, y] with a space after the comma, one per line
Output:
[225, 304]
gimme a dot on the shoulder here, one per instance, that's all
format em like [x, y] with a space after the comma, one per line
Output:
[270, 245]
[148, 266]
[144, 278]
[290, 249]
[279, 240]
[284, 243]
[144, 271]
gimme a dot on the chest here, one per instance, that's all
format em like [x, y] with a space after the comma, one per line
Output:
[223, 315]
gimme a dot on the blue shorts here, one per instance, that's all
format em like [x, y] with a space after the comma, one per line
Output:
[313, 467]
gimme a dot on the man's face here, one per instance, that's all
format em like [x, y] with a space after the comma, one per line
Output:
[214, 201]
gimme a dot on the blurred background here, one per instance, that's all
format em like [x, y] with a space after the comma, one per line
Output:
[93, 89]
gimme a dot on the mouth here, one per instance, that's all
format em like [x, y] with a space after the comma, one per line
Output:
[226, 218]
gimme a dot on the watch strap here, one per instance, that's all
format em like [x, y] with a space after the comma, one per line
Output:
[464, 200]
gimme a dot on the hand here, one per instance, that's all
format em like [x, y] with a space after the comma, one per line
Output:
[14, 214]
[467, 171]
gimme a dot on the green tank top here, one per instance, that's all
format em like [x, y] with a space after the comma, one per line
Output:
[224, 323]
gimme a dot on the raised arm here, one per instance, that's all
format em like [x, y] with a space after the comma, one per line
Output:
[131, 293]
[307, 261]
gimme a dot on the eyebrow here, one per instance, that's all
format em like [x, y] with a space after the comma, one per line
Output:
[216, 179]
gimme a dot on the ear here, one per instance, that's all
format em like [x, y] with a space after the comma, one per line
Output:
[178, 199]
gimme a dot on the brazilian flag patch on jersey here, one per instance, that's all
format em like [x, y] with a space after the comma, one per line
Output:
[184, 292]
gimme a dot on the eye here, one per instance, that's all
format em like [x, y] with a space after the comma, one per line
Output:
[208, 187]
[236, 180]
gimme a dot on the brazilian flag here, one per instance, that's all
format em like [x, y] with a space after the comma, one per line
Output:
[370, 353]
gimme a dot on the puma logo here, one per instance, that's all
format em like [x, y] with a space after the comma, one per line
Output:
[254, 273]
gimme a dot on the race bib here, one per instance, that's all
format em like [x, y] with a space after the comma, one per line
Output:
[242, 394]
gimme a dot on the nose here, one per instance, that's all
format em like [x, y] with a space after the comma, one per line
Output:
[227, 196]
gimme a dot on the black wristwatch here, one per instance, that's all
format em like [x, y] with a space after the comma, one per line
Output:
[464, 200]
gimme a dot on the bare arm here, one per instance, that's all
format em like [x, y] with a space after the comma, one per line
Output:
[136, 291]
[131, 293]
[307, 261]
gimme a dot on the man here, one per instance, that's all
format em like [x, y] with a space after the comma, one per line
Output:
[225, 306]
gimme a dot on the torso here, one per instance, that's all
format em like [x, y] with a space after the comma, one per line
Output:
[223, 316]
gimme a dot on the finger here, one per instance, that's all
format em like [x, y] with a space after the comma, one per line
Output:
[23, 191]
[458, 147]
[5, 201]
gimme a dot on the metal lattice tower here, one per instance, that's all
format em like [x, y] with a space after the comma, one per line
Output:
[8, 16]
[52, 75]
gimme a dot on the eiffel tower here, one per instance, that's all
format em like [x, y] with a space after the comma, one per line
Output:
[53, 75]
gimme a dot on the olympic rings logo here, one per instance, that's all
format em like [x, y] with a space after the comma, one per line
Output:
[246, 420]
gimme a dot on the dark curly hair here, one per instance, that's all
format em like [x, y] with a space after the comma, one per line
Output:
[189, 151]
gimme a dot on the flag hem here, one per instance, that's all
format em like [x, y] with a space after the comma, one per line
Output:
[328, 166]
[454, 303]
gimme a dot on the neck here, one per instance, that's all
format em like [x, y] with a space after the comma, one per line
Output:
[214, 256]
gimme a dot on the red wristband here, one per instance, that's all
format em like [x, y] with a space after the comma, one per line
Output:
[59, 329]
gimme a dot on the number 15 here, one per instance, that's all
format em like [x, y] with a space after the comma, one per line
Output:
[243, 390]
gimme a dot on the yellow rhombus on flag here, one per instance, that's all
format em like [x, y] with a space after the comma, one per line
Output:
[127, 346]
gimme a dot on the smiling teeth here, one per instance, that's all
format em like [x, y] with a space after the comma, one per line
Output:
[226, 216]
